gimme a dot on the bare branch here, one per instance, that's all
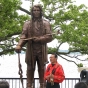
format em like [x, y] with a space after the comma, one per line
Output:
[60, 45]
[68, 60]
[24, 10]
[75, 57]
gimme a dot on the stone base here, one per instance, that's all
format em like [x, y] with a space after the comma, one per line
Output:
[82, 68]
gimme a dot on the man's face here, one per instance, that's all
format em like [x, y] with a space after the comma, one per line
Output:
[36, 12]
[52, 59]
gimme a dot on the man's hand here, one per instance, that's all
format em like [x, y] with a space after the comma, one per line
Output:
[48, 77]
[51, 76]
[52, 79]
[18, 49]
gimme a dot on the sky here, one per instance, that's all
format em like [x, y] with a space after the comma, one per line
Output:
[27, 2]
[9, 64]
[78, 2]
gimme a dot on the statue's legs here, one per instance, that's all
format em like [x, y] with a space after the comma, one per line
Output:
[30, 76]
[30, 72]
[41, 78]
[41, 70]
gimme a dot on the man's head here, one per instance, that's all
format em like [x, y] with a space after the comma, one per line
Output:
[4, 84]
[81, 85]
[36, 11]
[53, 58]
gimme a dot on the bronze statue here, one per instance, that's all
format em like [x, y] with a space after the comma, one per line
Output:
[36, 34]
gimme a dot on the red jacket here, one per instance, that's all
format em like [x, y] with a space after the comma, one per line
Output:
[58, 73]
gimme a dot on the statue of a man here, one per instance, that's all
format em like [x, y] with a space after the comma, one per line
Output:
[36, 34]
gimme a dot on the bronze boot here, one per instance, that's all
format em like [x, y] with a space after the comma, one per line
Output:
[29, 85]
[41, 78]
[42, 85]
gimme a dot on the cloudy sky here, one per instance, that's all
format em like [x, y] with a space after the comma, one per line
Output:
[26, 3]
[9, 64]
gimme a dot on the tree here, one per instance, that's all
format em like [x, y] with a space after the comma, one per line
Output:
[10, 25]
[69, 22]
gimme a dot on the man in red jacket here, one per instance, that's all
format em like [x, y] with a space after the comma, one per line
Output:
[54, 73]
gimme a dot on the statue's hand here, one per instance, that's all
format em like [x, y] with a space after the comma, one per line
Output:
[18, 49]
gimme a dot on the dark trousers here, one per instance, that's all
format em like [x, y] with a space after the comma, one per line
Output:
[56, 85]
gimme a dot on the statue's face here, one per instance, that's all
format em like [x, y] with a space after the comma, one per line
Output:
[36, 12]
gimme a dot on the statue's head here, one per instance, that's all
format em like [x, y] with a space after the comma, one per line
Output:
[36, 11]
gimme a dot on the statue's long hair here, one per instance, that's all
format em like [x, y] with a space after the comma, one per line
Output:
[40, 19]
[41, 11]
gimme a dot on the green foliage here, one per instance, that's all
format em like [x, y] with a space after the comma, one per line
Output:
[80, 65]
[52, 50]
[72, 23]
[10, 24]
[69, 19]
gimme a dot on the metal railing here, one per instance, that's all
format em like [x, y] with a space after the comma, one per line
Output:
[15, 82]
